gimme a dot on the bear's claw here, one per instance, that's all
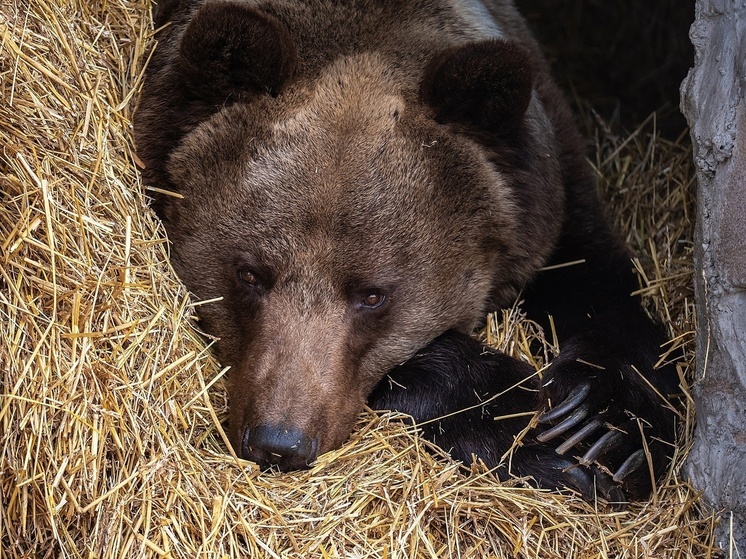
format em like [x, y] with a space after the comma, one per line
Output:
[571, 402]
[579, 436]
[631, 464]
[578, 415]
[607, 442]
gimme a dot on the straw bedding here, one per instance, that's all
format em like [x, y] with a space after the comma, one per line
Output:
[110, 405]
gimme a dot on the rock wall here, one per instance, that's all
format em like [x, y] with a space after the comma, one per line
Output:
[713, 101]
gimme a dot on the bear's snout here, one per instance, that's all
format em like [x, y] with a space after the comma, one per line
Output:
[278, 446]
[295, 396]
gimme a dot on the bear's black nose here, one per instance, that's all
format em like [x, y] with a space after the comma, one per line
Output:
[280, 446]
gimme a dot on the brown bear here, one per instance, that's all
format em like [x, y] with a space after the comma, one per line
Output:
[352, 185]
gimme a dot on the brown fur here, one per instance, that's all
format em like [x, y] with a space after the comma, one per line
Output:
[337, 148]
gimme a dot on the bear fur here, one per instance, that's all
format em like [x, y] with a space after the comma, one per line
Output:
[353, 185]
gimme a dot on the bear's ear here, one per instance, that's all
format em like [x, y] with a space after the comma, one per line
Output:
[229, 49]
[485, 84]
[165, 10]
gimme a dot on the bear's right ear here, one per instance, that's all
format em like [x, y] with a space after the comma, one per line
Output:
[486, 84]
[229, 49]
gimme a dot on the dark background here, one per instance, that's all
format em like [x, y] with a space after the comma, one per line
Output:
[624, 58]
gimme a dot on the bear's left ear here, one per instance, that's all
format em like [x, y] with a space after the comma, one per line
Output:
[486, 84]
[231, 49]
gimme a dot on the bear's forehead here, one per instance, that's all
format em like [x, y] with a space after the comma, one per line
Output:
[336, 145]
[369, 185]
[356, 95]
[344, 162]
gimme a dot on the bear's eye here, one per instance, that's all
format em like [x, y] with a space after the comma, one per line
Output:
[248, 277]
[373, 299]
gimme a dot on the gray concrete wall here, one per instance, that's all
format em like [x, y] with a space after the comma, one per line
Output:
[713, 101]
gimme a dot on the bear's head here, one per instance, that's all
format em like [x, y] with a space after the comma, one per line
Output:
[337, 220]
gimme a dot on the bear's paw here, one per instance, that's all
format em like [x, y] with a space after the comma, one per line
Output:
[610, 424]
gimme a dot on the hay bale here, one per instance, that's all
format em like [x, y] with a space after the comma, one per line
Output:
[110, 438]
